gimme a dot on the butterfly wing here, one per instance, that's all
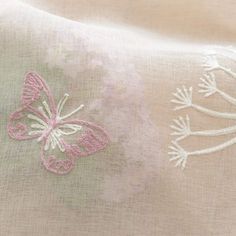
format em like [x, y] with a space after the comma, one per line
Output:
[57, 163]
[34, 90]
[91, 139]
[17, 128]
[33, 86]
[76, 143]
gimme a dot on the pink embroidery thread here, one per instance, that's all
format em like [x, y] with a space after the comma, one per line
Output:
[50, 127]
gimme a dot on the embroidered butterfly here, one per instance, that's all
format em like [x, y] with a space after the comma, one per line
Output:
[62, 140]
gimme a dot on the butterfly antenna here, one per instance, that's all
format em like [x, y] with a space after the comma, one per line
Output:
[62, 103]
[73, 112]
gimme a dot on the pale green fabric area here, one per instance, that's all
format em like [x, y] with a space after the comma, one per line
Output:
[73, 59]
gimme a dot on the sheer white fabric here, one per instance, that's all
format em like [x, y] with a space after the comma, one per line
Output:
[124, 60]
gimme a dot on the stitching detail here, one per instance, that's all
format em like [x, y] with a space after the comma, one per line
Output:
[49, 127]
[182, 126]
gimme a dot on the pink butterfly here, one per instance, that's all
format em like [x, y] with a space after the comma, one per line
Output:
[57, 135]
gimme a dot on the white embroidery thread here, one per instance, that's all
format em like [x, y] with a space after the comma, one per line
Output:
[182, 127]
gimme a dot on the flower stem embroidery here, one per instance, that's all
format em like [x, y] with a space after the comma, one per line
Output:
[182, 126]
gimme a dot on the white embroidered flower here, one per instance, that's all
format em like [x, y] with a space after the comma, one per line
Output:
[183, 98]
[181, 128]
[178, 154]
[208, 85]
[211, 63]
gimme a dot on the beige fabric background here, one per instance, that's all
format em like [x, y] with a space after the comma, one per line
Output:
[123, 60]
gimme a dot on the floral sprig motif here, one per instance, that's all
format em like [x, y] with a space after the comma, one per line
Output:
[181, 126]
